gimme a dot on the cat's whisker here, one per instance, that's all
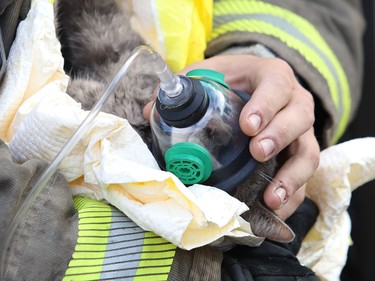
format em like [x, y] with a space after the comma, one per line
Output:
[265, 176]
[269, 178]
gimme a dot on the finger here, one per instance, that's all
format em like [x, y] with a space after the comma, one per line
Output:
[283, 128]
[295, 172]
[218, 63]
[244, 72]
[147, 110]
[148, 106]
[271, 95]
[293, 203]
[274, 86]
[241, 71]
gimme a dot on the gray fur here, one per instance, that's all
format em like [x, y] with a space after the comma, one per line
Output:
[263, 220]
[96, 39]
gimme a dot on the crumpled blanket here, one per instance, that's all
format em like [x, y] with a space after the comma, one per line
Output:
[112, 163]
[343, 168]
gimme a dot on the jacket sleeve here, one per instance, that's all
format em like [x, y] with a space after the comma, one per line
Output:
[321, 40]
[46, 234]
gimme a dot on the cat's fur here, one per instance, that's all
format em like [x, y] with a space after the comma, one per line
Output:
[96, 39]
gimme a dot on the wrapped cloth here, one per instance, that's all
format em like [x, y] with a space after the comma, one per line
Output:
[343, 168]
[112, 163]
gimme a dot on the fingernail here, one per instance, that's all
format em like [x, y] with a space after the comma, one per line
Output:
[254, 120]
[268, 146]
[281, 193]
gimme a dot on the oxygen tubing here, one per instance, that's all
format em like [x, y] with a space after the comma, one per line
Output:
[169, 82]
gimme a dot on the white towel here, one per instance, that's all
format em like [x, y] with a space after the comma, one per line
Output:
[343, 168]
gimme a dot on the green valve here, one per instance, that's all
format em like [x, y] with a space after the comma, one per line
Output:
[209, 73]
[188, 161]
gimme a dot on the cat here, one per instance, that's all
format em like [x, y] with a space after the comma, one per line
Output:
[96, 39]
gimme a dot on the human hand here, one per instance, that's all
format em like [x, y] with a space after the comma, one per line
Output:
[278, 117]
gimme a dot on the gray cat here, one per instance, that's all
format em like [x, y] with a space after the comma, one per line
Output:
[96, 39]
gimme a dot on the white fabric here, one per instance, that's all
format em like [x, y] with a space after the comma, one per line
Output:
[343, 168]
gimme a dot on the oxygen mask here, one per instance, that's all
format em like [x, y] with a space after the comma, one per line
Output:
[196, 132]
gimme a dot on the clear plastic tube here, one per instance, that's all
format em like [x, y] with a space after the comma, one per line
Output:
[169, 82]
[167, 78]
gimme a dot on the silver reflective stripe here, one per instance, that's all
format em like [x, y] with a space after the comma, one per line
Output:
[124, 248]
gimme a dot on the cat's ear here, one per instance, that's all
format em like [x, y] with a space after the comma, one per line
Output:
[265, 223]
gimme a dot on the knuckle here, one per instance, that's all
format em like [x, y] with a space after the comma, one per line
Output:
[299, 195]
[294, 187]
[309, 100]
[282, 74]
[282, 65]
[315, 158]
[286, 135]
[281, 137]
[307, 107]
[312, 153]
[310, 117]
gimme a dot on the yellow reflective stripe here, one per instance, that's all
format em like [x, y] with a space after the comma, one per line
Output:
[268, 29]
[341, 100]
[111, 246]
[156, 259]
[89, 252]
